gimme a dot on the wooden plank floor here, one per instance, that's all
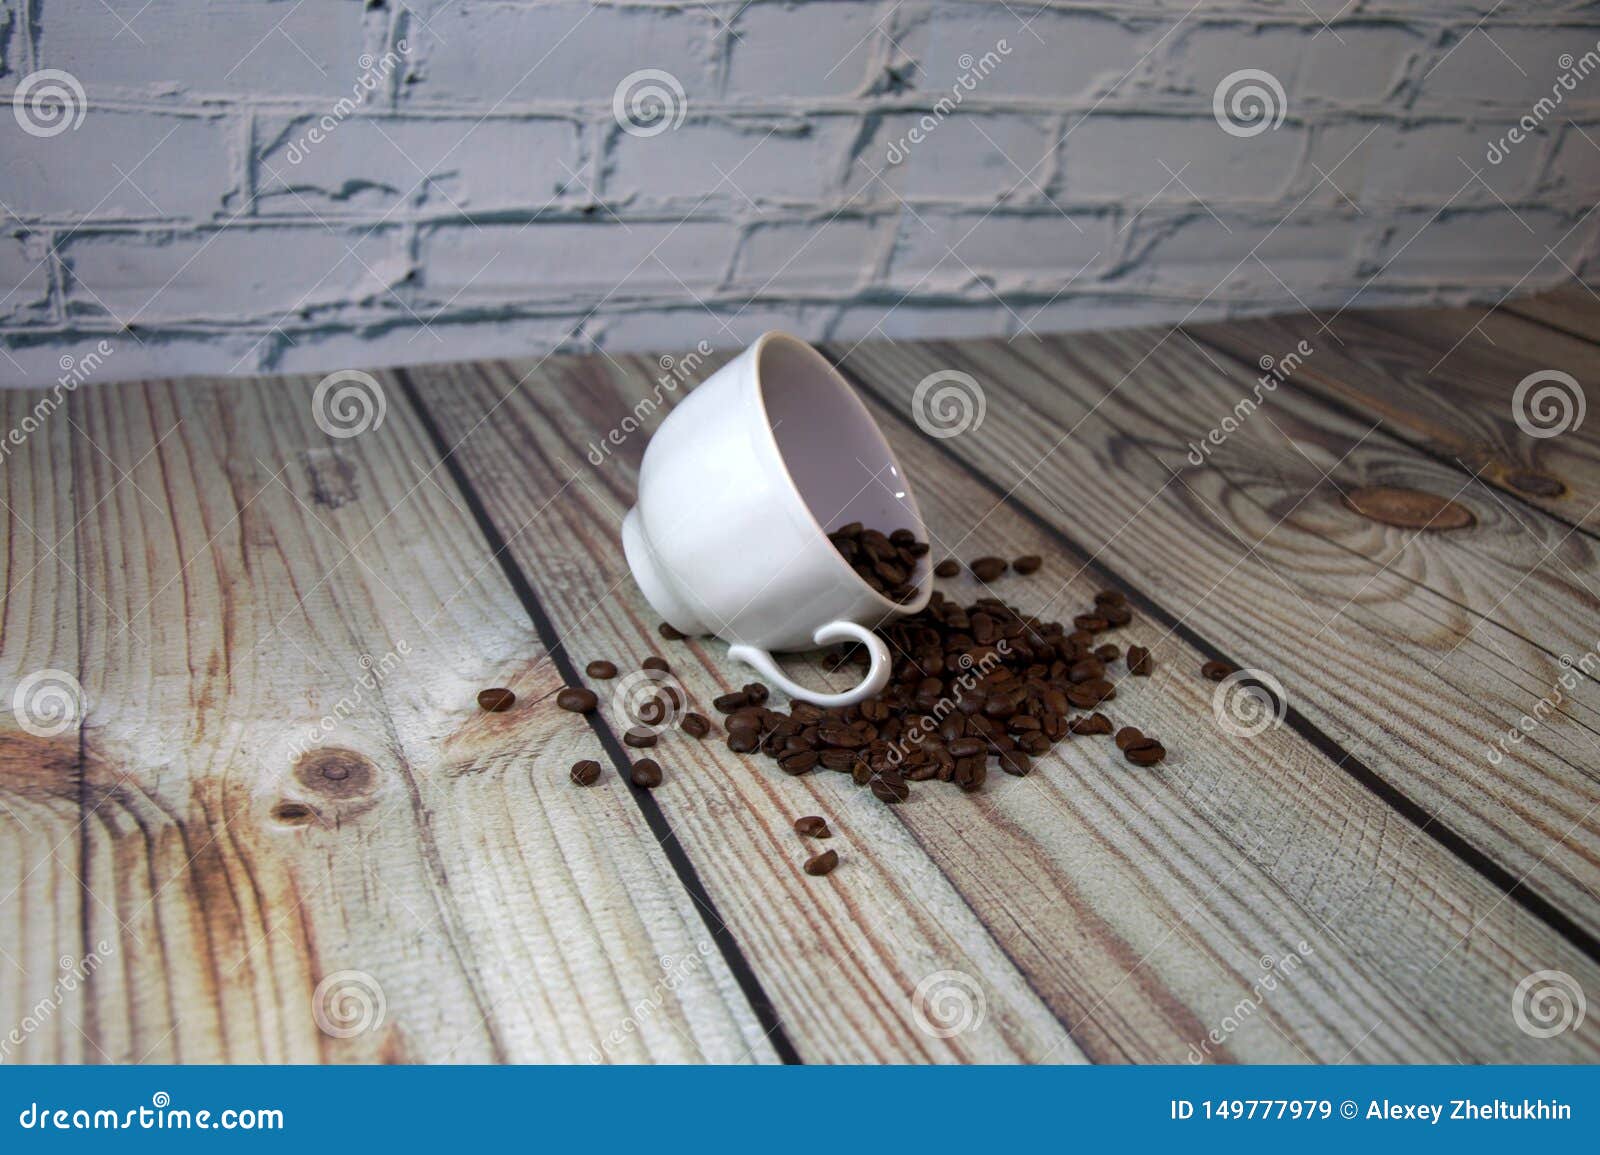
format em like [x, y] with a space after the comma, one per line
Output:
[219, 584]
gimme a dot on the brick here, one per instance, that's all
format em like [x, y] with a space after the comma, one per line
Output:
[1053, 56]
[762, 159]
[375, 163]
[978, 158]
[445, 338]
[1509, 68]
[240, 48]
[175, 167]
[1430, 163]
[574, 260]
[488, 53]
[912, 320]
[1309, 61]
[228, 275]
[1575, 167]
[817, 49]
[1127, 158]
[944, 252]
[831, 254]
[1477, 246]
[1195, 254]
[24, 278]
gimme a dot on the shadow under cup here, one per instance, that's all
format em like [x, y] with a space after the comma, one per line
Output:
[835, 454]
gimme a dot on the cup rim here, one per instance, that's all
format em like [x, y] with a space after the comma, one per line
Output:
[925, 587]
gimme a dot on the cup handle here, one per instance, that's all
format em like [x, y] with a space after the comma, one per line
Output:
[877, 673]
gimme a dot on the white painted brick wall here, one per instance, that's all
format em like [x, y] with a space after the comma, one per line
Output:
[236, 199]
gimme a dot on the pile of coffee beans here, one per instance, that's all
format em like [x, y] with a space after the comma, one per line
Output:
[887, 563]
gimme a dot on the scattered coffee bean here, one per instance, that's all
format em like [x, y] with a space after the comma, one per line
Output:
[1144, 752]
[601, 669]
[886, 563]
[695, 725]
[1116, 614]
[1096, 723]
[948, 568]
[646, 773]
[1091, 623]
[1110, 598]
[812, 826]
[1015, 762]
[670, 634]
[1139, 661]
[728, 703]
[639, 738]
[497, 699]
[1027, 563]
[1127, 736]
[577, 699]
[585, 773]
[655, 663]
[1107, 652]
[890, 787]
[755, 693]
[822, 863]
[1217, 671]
[987, 569]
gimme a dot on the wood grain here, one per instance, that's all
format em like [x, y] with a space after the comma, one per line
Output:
[1573, 308]
[261, 580]
[1100, 425]
[1138, 906]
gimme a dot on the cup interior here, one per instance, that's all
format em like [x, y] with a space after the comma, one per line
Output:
[834, 451]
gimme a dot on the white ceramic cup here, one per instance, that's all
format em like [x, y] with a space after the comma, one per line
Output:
[738, 491]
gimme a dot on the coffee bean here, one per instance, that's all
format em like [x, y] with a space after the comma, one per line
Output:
[1090, 623]
[585, 773]
[655, 663]
[1115, 615]
[1086, 670]
[1095, 723]
[744, 741]
[577, 699]
[1145, 752]
[1107, 652]
[841, 736]
[695, 725]
[601, 669]
[890, 788]
[987, 569]
[1127, 736]
[885, 563]
[1015, 763]
[670, 634]
[1027, 563]
[812, 826]
[755, 693]
[1217, 671]
[1110, 598]
[822, 863]
[948, 568]
[1139, 662]
[798, 762]
[639, 739]
[496, 700]
[646, 773]
[728, 703]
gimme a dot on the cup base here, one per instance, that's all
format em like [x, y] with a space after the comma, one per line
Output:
[656, 589]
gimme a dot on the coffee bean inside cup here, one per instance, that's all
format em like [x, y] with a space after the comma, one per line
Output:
[886, 562]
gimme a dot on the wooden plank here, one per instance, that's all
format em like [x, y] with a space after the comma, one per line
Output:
[265, 581]
[841, 957]
[42, 947]
[1573, 308]
[1445, 381]
[1414, 687]
[1138, 906]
